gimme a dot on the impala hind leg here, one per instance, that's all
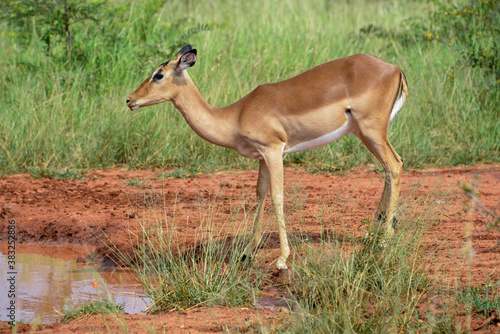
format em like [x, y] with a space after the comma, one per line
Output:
[274, 162]
[380, 146]
[262, 191]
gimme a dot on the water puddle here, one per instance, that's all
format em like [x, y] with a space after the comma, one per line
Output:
[49, 282]
[271, 303]
[46, 285]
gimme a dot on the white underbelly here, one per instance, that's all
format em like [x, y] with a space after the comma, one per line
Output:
[345, 129]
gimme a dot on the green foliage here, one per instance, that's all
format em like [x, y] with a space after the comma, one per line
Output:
[474, 29]
[97, 307]
[414, 31]
[178, 174]
[64, 114]
[64, 174]
[53, 19]
[482, 299]
[136, 183]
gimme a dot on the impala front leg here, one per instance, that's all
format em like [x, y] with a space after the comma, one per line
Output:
[262, 191]
[274, 161]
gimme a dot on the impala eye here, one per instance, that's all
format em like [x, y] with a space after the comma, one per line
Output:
[158, 76]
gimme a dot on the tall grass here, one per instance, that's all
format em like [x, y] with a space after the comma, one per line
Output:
[59, 113]
[337, 283]
[368, 284]
[203, 267]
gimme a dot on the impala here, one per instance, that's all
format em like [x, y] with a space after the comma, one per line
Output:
[358, 95]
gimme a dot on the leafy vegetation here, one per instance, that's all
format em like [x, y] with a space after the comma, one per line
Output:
[54, 20]
[482, 299]
[135, 183]
[474, 29]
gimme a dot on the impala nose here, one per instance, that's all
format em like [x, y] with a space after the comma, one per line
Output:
[128, 100]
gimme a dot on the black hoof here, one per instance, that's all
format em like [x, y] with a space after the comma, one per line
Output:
[382, 218]
[246, 258]
[395, 223]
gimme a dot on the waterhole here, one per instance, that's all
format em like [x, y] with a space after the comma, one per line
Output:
[47, 286]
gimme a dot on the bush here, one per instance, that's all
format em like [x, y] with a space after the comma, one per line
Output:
[474, 29]
[51, 20]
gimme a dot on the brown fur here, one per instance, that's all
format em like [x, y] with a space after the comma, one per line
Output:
[276, 117]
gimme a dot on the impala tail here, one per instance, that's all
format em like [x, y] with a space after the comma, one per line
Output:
[400, 97]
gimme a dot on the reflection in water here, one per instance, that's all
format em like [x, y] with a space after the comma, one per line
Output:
[46, 284]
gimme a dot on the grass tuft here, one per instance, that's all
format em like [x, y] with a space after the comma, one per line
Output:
[52, 173]
[181, 275]
[371, 285]
[97, 307]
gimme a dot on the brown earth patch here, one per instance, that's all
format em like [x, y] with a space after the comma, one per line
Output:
[110, 203]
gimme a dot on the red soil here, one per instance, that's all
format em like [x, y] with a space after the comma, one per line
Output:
[52, 211]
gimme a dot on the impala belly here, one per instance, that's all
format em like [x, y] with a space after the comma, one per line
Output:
[323, 140]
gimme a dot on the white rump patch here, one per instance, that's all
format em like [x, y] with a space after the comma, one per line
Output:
[345, 129]
[397, 107]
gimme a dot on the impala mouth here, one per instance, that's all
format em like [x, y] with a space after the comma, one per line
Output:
[140, 104]
[133, 106]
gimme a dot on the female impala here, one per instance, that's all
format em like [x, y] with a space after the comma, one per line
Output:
[360, 94]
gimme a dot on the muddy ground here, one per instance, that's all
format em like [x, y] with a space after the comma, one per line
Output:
[112, 202]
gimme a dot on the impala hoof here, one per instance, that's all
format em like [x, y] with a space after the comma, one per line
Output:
[281, 264]
[395, 223]
[246, 258]
[381, 217]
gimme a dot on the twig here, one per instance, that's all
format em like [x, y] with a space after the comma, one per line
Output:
[487, 321]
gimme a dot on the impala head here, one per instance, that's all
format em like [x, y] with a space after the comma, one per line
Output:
[162, 85]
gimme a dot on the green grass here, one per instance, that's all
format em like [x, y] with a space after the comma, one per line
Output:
[135, 183]
[53, 173]
[181, 275]
[59, 114]
[97, 307]
[178, 173]
[482, 299]
[368, 284]
[373, 289]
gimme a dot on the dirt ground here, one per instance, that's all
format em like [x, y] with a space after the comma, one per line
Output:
[112, 202]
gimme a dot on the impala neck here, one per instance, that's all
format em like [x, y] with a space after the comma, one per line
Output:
[210, 123]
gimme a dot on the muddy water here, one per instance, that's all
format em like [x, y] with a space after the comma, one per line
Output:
[46, 285]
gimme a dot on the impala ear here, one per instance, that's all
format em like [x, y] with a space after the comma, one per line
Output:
[184, 50]
[187, 60]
